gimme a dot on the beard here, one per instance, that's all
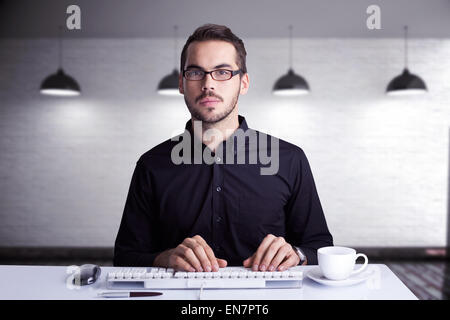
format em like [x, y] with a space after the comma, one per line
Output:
[210, 117]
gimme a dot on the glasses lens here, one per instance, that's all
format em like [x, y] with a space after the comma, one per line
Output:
[194, 74]
[221, 74]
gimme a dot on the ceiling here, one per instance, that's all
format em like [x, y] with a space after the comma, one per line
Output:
[248, 19]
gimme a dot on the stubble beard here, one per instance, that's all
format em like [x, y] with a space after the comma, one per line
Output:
[211, 119]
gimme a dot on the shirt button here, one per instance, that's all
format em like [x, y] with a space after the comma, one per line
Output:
[218, 159]
[219, 219]
[218, 189]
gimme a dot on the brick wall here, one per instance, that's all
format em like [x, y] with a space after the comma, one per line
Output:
[380, 163]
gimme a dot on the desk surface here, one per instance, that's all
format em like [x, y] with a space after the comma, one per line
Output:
[49, 283]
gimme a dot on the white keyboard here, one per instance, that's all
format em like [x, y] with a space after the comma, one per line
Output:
[229, 277]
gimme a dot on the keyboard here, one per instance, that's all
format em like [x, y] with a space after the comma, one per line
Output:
[227, 278]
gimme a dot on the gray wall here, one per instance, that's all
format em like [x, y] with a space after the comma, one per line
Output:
[380, 163]
[249, 18]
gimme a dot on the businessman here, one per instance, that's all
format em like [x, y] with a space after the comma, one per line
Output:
[220, 194]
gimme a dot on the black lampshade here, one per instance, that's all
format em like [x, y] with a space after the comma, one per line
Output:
[169, 84]
[291, 84]
[406, 84]
[60, 84]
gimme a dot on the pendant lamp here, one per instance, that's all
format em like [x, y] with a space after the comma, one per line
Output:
[168, 85]
[60, 83]
[291, 84]
[406, 83]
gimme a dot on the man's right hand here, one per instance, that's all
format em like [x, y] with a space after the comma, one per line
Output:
[193, 254]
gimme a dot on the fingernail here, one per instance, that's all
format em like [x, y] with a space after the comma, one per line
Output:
[255, 267]
[281, 268]
[192, 270]
[216, 267]
[263, 267]
[208, 268]
[271, 268]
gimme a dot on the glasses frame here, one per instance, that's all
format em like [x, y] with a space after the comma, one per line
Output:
[233, 73]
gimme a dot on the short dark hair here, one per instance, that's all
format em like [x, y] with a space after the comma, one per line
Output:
[216, 32]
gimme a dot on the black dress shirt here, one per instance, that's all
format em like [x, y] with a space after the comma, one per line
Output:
[230, 205]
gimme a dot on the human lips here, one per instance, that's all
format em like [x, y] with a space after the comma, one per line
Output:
[209, 102]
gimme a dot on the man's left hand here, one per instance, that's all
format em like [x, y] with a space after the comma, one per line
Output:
[274, 253]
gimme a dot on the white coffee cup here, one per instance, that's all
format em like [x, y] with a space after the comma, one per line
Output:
[337, 263]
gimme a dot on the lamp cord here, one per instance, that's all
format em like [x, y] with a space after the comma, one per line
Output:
[290, 46]
[175, 45]
[406, 47]
[60, 47]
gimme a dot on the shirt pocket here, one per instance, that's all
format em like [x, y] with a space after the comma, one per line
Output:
[256, 218]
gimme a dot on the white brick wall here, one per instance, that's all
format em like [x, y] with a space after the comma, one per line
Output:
[380, 163]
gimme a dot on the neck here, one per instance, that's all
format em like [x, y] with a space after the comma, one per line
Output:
[214, 133]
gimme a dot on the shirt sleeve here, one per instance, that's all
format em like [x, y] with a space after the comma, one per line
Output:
[137, 239]
[306, 226]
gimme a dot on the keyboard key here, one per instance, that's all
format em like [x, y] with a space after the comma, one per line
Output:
[200, 275]
[226, 274]
[276, 274]
[180, 275]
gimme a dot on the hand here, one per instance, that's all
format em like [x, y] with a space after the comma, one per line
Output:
[274, 253]
[193, 254]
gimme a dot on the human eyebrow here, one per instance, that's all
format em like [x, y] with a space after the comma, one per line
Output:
[223, 65]
[194, 66]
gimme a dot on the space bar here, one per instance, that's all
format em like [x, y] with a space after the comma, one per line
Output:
[228, 283]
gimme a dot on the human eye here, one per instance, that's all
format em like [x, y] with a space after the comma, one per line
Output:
[223, 72]
[194, 72]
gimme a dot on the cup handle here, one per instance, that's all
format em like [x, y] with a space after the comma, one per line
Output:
[364, 265]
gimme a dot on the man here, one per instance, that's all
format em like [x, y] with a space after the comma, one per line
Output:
[198, 216]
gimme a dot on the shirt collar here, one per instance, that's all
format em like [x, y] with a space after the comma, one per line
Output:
[242, 125]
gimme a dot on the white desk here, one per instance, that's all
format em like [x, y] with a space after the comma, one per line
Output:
[49, 283]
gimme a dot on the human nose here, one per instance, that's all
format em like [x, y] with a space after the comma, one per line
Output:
[208, 82]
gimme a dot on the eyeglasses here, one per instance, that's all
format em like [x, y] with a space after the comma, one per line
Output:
[218, 75]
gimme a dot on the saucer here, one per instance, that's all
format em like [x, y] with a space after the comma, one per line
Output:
[316, 275]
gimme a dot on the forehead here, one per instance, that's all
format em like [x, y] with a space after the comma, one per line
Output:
[211, 53]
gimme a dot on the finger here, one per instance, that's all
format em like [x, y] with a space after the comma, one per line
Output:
[280, 256]
[222, 263]
[209, 253]
[201, 255]
[256, 264]
[188, 254]
[291, 261]
[179, 264]
[248, 262]
[270, 253]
